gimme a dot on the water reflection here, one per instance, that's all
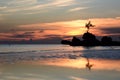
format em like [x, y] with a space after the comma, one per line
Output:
[88, 65]
[60, 63]
[61, 69]
[81, 63]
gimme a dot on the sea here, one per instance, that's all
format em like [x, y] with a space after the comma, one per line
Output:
[59, 62]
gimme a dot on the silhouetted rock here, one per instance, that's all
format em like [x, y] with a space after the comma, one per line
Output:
[88, 36]
[65, 42]
[106, 40]
[90, 40]
[75, 42]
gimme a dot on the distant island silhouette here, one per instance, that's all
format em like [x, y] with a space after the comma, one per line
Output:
[90, 39]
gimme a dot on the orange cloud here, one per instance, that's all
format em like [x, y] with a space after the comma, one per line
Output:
[103, 26]
[106, 22]
[75, 27]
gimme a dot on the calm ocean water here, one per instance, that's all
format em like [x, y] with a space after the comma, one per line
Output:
[22, 52]
[59, 62]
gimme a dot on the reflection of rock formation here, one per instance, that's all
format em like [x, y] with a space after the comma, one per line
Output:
[89, 39]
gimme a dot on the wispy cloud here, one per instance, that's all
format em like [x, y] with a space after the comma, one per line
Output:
[102, 22]
[53, 4]
[17, 5]
[28, 5]
[117, 17]
[55, 25]
[32, 7]
[77, 9]
[21, 2]
[71, 27]
[106, 22]
[3, 7]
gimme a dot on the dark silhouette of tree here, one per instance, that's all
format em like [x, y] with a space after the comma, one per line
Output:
[88, 25]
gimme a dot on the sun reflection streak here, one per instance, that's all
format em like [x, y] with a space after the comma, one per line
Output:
[80, 63]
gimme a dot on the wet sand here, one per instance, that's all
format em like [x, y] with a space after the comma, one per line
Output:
[61, 69]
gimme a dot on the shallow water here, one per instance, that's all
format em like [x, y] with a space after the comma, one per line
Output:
[58, 62]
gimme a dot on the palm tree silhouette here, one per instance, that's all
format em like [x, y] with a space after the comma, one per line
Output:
[88, 25]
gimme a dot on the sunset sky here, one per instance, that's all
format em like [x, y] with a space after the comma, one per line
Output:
[57, 19]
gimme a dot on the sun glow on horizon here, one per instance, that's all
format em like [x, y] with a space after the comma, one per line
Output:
[76, 32]
[62, 29]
